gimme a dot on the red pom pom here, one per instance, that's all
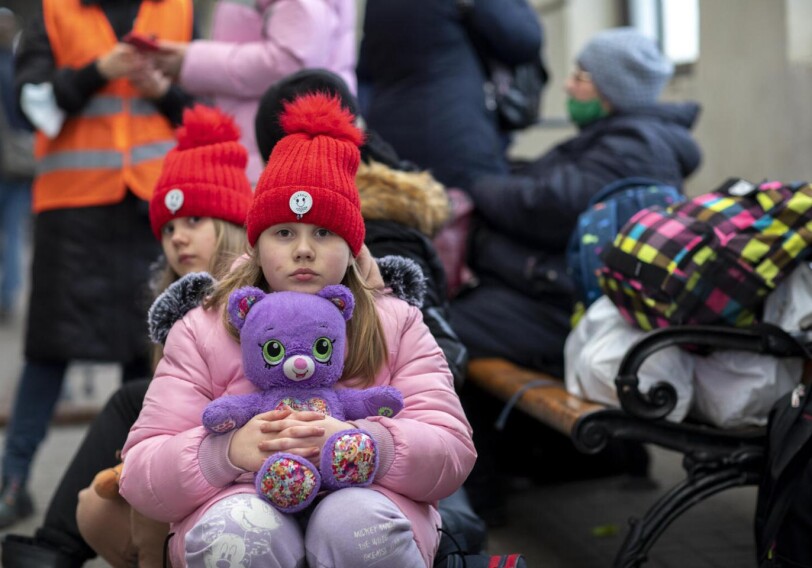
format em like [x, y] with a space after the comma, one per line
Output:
[317, 114]
[203, 126]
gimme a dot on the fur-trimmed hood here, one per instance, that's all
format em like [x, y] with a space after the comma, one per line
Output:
[401, 275]
[414, 199]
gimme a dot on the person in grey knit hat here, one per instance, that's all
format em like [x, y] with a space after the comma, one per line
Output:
[520, 308]
[626, 67]
[619, 70]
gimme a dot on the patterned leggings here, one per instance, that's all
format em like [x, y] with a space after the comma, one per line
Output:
[355, 527]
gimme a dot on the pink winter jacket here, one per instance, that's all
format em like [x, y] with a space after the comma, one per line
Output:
[426, 451]
[254, 43]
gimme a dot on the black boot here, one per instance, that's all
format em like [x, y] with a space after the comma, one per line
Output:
[15, 503]
[26, 552]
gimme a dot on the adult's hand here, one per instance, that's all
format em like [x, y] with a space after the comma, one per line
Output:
[121, 61]
[169, 59]
[150, 82]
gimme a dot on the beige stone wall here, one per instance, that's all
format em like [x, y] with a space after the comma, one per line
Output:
[757, 119]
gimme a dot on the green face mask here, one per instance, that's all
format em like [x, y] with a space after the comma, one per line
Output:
[585, 112]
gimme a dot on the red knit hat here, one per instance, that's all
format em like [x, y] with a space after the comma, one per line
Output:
[204, 175]
[310, 176]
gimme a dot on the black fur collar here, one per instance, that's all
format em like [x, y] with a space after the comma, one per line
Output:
[180, 297]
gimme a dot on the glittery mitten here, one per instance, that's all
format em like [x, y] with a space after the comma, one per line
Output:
[348, 459]
[288, 482]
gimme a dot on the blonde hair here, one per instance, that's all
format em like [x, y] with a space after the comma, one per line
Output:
[367, 350]
[230, 243]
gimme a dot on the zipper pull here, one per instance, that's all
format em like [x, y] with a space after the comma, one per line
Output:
[797, 394]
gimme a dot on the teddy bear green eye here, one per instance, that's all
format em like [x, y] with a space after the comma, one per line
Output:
[322, 349]
[273, 352]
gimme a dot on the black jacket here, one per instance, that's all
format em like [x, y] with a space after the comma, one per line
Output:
[421, 80]
[525, 219]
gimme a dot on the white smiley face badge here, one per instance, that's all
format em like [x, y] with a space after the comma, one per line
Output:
[300, 203]
[174, 200]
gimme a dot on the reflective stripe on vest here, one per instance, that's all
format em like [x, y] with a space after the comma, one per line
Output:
[102, 159]
[80, 160]
[109, 105]
[140, 107]
[147, 152]
[103, 106]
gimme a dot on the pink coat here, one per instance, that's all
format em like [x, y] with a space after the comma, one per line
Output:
[426, 450]
[254, 44]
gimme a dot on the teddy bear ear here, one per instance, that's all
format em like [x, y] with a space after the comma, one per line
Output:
[342, 298]
[240, 302]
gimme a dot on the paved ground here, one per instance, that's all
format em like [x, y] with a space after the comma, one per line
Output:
[572, 525]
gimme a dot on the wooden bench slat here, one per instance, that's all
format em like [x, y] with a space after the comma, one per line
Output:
[551, 404]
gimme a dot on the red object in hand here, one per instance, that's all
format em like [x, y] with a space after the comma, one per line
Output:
[141, 42]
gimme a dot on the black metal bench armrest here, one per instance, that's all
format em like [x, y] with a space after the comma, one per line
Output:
[662, 397]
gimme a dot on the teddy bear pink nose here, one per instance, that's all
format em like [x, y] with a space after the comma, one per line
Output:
[300, 363]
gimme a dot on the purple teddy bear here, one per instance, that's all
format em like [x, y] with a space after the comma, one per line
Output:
[293, 352]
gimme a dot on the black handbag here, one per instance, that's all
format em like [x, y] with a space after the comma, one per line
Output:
[513, 92]
[784, 504]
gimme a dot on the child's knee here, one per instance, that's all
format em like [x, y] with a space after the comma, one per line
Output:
[360, 527]
[244, 530]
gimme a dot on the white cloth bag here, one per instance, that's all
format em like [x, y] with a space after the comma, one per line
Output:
[728, 389]
[593, 352]
[735, 389]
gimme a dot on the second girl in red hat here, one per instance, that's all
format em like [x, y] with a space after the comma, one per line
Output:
[197, 213]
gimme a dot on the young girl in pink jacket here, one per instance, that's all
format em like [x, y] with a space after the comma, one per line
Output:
[203, 484]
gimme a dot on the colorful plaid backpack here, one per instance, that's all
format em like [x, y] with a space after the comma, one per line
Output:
[710, 260]
[598, 225]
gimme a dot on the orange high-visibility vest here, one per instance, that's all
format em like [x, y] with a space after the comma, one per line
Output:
[118, 140]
